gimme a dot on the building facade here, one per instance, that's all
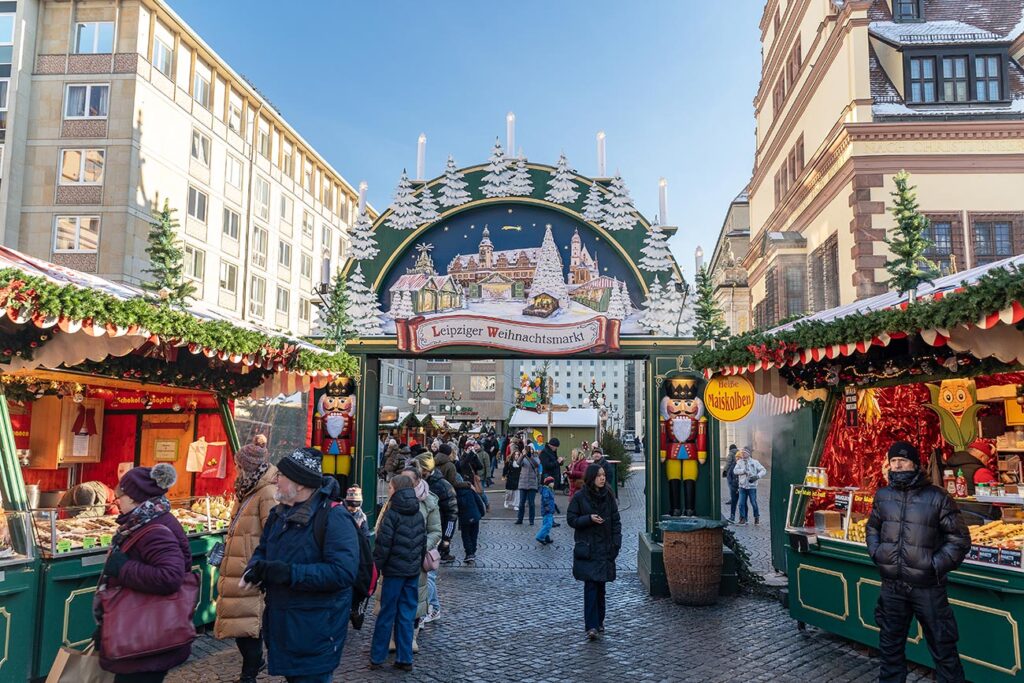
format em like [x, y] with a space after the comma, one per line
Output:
[117, 107]
[728, 276]
[853, 92]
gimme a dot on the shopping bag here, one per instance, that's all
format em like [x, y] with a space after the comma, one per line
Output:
[74, 666]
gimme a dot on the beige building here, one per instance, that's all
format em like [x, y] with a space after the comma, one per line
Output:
[117, 106]
[728, 276]
[852, 92]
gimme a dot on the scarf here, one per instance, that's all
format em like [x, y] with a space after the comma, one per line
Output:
[901, 481]
[130, 522]
[422, 490]
[245, 482]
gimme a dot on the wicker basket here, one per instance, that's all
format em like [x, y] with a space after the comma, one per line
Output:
[693, 565]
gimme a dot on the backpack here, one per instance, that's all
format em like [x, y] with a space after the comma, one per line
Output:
[366, 576]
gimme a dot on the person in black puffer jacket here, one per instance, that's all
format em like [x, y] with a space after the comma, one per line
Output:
[398, 553]
[915, 536]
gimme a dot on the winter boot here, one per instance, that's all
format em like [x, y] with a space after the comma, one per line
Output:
[674, 486]
[690, 498]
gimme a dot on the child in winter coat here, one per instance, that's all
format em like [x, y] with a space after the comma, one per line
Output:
[354, 505]
[548, 508]
[398, 554]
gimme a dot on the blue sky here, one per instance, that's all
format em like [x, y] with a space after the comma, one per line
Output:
[669, 81]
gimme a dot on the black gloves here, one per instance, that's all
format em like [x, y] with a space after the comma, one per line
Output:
[269, 573]
[115, 562]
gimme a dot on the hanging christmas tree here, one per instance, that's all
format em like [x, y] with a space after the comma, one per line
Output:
[619, 213]
[362, 242]
[453, 186]
[167, 261]
[363, 306]
[617, 308]
[401, 307]
[548, 278]
[709, 320]
[908, 242]
[561, 186]
[593, 207]
[521, 184]
[335, 319]
[428, 206]
[498, 180]
[656, 256]
[405, 214]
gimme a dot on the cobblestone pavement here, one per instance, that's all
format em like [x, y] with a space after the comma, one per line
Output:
[756, 539]
[518, 616]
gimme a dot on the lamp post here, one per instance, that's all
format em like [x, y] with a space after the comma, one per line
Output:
[418, 400]
[451, 404]
[596, 394]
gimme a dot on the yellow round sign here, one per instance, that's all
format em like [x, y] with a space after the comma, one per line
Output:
[729, 398]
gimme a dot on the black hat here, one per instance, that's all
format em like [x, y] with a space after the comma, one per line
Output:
[304, 467]
[445, 448]
[555, 442]
[904, 449]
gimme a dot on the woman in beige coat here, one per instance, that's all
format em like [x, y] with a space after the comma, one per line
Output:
[239, 610]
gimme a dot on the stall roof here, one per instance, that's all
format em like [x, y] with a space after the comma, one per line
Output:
[574, 417]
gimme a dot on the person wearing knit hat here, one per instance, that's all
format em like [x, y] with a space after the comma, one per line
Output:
[925, 538]
[445, 461]
[304, 468]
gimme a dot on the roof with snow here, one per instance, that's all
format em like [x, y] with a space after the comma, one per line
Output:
[931, 33]
[1002, 18]
[603, 282]
[511, 256]
[413, 282]
[574, 417]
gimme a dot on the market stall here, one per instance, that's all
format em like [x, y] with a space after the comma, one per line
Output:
[945, 373]
[96, 379]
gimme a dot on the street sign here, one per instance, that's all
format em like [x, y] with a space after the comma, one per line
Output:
[559, 408]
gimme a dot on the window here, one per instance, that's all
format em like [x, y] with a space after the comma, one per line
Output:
[201, 85]
[391, 377]
[342, 249]
[228, 277]
[262, 196]
[306, 265]
[195, 263]
[307, 224]
[233, 172]
[7, 29]
[260, 243]
[232, 223]
[439, 382]
[282, 300]
[197, 204]
[235, 113]
[307, 177]
[76, 234]
[993, 241]
[287, 210]
[163, 50]
[940, 234]
[987, 72]
[87, 101]
[94, 37]
[201, 148]
[263, 139]
[81, 166]
[823, 276]
[327, 196]
[482, 382]
[325, 237]
[954, 79]
[922, 79]
[779, 95]
[771, 296]
[284, 255]
[257, 296]
[288, 160]
[305, 310]
[4, 84]
[906, 10]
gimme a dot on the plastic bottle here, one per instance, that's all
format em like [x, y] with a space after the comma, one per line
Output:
[961, 484]
[949, 481]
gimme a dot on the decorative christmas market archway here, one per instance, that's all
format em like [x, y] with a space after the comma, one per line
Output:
[517, 260]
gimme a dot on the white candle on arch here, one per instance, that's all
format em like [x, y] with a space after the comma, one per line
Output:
[421, 156]
[362, 196]
[663, 200]
[510, 133]
[600, 155]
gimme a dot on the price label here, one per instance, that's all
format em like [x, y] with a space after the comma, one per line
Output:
[63, 545]
[1009, 558]
[864, 498]
[988, 554]
[89, 542]
[106, 539]
[842, 502]
[220, 524]
[810, 492]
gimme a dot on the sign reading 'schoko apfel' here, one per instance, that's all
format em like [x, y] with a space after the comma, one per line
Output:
[729, 398]
[472, 330]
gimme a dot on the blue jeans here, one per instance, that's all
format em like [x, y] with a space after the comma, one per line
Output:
[470, 532]
[527, 496]
[593, 604]
[310, 678]
[734, 499]
[751, 495]
[545, 527]
[432, 598]
[399, 597]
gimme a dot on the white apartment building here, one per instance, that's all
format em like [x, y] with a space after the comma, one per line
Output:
[572, 380]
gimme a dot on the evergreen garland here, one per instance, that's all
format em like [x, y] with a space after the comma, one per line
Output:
[166, 261]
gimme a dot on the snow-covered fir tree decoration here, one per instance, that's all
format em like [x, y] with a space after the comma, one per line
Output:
[653, 315]
[593, 207]
[363, 306]
[405, 215]
[616, 304]
[678, 308]
[453, 186]
[362, 242]
[498, 180]
[548, 277]
[401, 308]
[627, 303]
[561, 187]
[656, 256]
[521, 184]
[428, 206]
[619, 213]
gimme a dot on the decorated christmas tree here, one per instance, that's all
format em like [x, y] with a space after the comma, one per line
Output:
[401, 307]
[709, 320]
[548, 278]
[405, 214]
[498, 180]
[656, 256]
[909, 267]
[428, 206]
[561, 186]
[335, 319]
[363, 306]
[593, 207]
[617, 308]
[521, 184]
[166, 261]
[453, 186]
[619, 213]
[362, 242]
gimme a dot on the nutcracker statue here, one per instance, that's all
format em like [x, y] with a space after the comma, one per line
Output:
[334, 429]
[683, 443]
